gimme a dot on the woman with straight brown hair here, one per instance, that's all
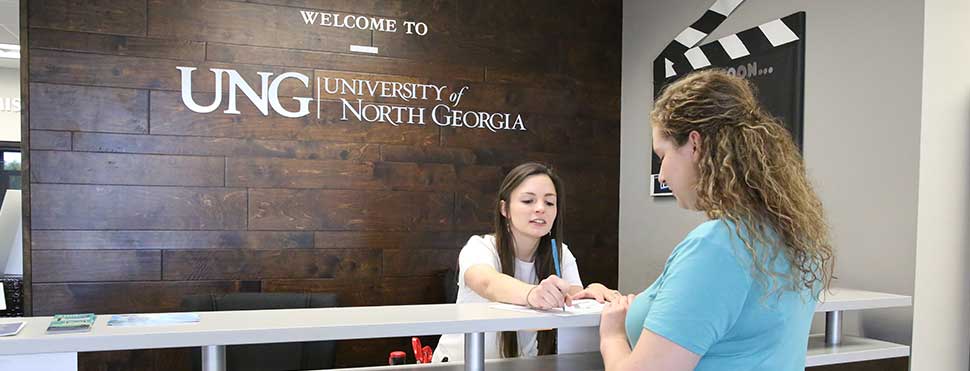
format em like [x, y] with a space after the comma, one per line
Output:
[515, 264]
[738, 293]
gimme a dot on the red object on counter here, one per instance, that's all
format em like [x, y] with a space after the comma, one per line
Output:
[421, 354]
[397, 358]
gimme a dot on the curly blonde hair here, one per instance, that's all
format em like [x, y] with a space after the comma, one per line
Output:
[750, 173]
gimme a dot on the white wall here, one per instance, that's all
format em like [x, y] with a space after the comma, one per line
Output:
[861, 139]
[941, 328]
[9, 119]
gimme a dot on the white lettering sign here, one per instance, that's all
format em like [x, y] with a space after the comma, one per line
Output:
[265, 96]
[361, 22]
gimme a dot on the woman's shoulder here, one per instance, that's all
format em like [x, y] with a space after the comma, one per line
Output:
[716, 236]
[484, 239]
[713, 229]
[480, 242]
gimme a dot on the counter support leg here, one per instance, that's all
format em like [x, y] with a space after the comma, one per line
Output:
[833, 327]
[214, 358]
[475, 351]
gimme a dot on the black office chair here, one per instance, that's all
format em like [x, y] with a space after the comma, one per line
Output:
[449, 281]
[267, 357]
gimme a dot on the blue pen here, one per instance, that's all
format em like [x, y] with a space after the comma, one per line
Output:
[555, 263]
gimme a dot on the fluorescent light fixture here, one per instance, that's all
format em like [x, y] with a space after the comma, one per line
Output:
[10, 51]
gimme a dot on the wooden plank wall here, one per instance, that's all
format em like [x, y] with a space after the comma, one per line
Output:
[134, 201]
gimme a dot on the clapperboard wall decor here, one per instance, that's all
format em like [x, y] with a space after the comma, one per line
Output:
[771, 55]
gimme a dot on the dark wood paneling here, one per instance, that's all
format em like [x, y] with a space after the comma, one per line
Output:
[417, 177]
[228, 147]
[389, 240]
[164, 240]
[120, 297]
[281, 263]
[94, 265]
[412, 9]
[63, 67]
[287, 173]
[56, 140]
[169, 116]
[286, 209]
[409, 290]
[117, 45]
[418, 262]
[110, 168]
[444, 48]
[146, 359]
[217, 52]
[474, 210]
[230, 22]
[120, 207]
[485, 179]
[125, 17]
[284, 173]
[64, 107]
[350, 293]
[425, 154]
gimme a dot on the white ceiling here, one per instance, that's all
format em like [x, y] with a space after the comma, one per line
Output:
[9, 21]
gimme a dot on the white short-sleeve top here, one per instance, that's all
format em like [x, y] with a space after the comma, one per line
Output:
[481, 250]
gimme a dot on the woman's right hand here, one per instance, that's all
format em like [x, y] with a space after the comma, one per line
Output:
[552, 292]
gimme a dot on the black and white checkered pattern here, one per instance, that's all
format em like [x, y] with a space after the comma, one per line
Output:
[698, 30]
[678, 59]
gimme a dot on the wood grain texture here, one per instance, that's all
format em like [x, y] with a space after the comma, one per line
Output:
[121, 297]
[55, 206]
[126, 17]
[117, 45]
[56, 140]
[65, 107]
[229, 22]
[228, 53]
[164, 240]
[288, 209]
[63, 67]
[225, 147]
[389, 240]
[418, 262]
[95, 265]
[278, 263]
[110, 168]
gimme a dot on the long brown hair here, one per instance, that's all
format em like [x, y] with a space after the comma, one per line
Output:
[505, 244]
[750, 173]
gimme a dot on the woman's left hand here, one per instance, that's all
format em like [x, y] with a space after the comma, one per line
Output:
[597, 292]
[613, 319]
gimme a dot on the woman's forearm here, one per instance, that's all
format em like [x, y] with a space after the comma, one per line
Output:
[615, 351]
[496, 286]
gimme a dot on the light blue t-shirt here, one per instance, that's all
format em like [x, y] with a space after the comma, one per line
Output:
[708, 301]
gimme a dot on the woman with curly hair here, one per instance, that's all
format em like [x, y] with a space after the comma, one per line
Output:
[739, 291]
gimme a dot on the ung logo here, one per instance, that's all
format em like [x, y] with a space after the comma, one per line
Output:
[267, 97]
